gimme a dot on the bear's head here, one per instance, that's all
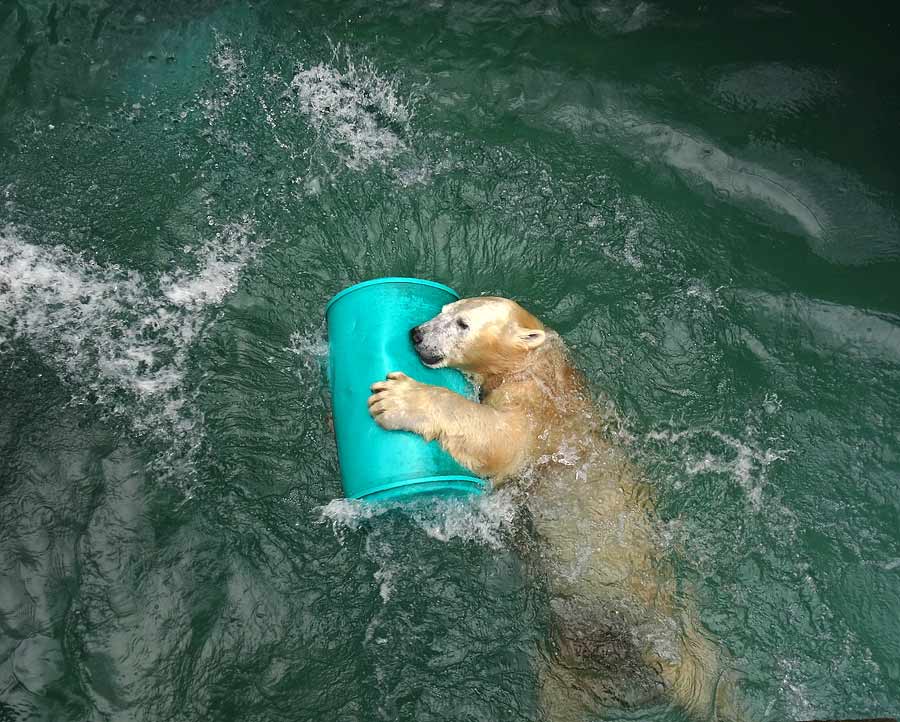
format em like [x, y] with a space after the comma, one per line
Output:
[484, 336]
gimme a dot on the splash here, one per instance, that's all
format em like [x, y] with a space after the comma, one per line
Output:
[221, 261]
[118, 340]
[358, 113]
[485, 519]
[310, 346]
[311, 351]
[229, 63]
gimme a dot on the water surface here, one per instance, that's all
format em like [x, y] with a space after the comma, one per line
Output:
[702, 198]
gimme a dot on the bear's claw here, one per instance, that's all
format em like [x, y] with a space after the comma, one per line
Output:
[397, 403]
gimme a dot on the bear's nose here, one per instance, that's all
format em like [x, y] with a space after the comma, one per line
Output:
[416, 335]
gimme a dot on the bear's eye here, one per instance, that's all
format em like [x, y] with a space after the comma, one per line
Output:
[462, 324]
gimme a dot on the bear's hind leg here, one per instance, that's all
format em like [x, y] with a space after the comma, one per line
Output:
[695, 678]
[592, 665]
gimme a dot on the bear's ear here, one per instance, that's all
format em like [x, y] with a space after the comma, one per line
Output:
[531, 338]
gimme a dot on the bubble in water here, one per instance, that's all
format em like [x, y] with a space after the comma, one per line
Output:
[380, 552]
[311, 350]
[309, 345]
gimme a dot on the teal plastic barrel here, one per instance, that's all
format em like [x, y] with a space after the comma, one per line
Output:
[368, 337]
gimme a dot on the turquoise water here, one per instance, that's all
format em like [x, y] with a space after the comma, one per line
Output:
[701, 197]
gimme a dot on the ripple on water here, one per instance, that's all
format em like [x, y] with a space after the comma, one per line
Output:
[38, 662]
[776, 88]
[843, 218]
[826, 327]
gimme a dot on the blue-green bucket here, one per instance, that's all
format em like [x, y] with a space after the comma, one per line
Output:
[368, 337]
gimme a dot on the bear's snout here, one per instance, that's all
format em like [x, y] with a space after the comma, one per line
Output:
[428, 355]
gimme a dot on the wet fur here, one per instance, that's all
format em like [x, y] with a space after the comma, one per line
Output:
[536, 414]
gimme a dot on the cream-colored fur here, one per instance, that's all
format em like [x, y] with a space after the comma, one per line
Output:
[605, 570]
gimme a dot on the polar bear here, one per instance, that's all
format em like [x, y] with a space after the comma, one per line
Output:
[623, 634]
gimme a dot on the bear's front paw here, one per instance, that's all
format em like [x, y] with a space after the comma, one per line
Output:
[401, 404]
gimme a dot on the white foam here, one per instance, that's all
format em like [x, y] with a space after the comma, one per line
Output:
[484, 519]
[221, 261]
[355, 110]
[746, 462]
[107, 332]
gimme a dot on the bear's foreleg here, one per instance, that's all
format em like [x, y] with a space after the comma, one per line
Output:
[489, 441]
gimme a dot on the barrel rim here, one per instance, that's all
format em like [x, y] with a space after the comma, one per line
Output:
[388, 279]
[481, 484]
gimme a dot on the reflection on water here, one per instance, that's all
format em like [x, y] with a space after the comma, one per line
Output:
[698, 199]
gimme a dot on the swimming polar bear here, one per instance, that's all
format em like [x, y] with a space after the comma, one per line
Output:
[623, 634]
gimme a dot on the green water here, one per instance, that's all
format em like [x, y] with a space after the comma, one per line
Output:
[703, 198]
